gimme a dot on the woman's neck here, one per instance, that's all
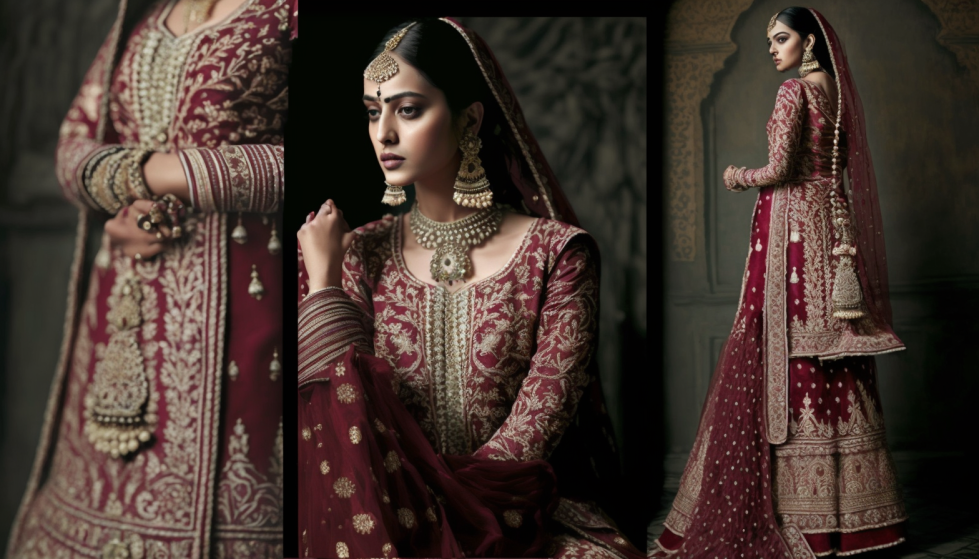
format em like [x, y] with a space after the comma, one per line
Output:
[434, 196]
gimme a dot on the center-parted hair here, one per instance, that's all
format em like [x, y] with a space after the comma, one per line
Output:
[442, 56]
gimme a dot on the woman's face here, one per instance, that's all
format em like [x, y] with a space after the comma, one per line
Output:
[412, 121]
[786, 46]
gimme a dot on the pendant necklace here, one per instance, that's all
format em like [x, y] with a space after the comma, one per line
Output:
[452, 241]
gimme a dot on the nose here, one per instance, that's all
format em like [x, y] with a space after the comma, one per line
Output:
[386, 133]
[772, 50]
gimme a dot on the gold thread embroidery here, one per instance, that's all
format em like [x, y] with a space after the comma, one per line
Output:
[406, 518]
[363, 523]
[344, 487]
[324, 467]
[355, 435]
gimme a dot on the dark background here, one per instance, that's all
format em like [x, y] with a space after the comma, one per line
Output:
[582, 83]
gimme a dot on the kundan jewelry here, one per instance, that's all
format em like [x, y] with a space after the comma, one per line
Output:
[197, 13]
[120, 411]
[394, 195]
[472, 190]
[452, 241]
[809, 63]
[385, 67]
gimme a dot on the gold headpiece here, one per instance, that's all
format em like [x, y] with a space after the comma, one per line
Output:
[385, 67]
[771, 24]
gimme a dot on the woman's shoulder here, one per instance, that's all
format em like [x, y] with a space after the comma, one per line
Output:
[558, 236]
[372, 236]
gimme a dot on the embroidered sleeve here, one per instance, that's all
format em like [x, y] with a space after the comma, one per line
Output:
[241, 178]
[784, 134]
[78, 145]
[333, 319]
[566, 340]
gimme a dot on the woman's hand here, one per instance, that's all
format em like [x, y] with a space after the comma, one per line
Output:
[125, 233]
[729, 180]
[324, 240]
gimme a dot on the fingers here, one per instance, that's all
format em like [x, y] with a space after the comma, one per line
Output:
[145, 251]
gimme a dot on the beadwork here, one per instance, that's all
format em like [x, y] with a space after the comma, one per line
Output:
[452, 241]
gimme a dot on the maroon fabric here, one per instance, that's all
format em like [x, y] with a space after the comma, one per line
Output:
[867, 222]
[457, 503]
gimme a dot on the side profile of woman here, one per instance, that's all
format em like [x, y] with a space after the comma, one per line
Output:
[790, 459]
[163, 432]
[449, 402]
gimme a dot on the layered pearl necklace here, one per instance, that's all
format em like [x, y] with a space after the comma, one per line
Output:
[452, 241]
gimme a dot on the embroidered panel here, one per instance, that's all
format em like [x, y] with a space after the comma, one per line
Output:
[835, 474]
[463, 360]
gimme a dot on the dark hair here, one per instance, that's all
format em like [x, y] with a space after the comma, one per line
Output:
[804, 23]
[443, 57]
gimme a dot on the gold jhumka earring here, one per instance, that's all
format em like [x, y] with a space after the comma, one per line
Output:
[472, 190]
[380, 70]
[809, 63]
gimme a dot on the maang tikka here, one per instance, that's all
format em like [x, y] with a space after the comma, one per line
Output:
[380, 70]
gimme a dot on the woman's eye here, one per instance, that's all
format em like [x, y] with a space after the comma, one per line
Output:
[410, 112]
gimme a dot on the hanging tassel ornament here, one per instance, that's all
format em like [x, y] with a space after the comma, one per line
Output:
[472, 190]
[394, 195]
[275, 367]
[847, 297]
[239, 234]
[795, 277]
[274, 245]
[255, 288]
[120, 412]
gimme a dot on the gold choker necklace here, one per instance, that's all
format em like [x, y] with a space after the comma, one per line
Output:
[452, 241]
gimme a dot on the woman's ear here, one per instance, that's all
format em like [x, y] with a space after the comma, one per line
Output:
[473, 117]
[810, 41]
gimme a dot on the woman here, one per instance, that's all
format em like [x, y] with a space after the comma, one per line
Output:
[449, 402]
[790, 459]
[163, 434]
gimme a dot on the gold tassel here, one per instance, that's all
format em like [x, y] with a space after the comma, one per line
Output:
[275, 367]
[274, 244]
[847, 299]
[239, 234]
[255, 288]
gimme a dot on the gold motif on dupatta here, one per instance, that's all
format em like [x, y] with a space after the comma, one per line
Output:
[363, 523]
[392, 462]
[344, 487]
[406, 518]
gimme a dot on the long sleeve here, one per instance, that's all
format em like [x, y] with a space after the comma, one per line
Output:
[78, 141]
[333, 319]
[566, 340]
[784, 135]
[238, 178]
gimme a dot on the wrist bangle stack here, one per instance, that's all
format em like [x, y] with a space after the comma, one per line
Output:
[113, 177]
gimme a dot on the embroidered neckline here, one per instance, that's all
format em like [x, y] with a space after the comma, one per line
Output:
[397, 234]
[161, 20]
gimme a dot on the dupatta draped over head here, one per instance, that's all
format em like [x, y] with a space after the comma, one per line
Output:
[467, 505]
[725, 503]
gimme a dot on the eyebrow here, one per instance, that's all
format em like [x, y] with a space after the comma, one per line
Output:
[776, 36]
[395, 97]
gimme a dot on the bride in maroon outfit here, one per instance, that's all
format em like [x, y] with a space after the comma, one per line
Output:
[449, 402]
[163, 432]
[790, 459]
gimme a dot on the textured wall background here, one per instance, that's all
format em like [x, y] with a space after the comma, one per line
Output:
[582, 85]
[918, 82]
[46, 46]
